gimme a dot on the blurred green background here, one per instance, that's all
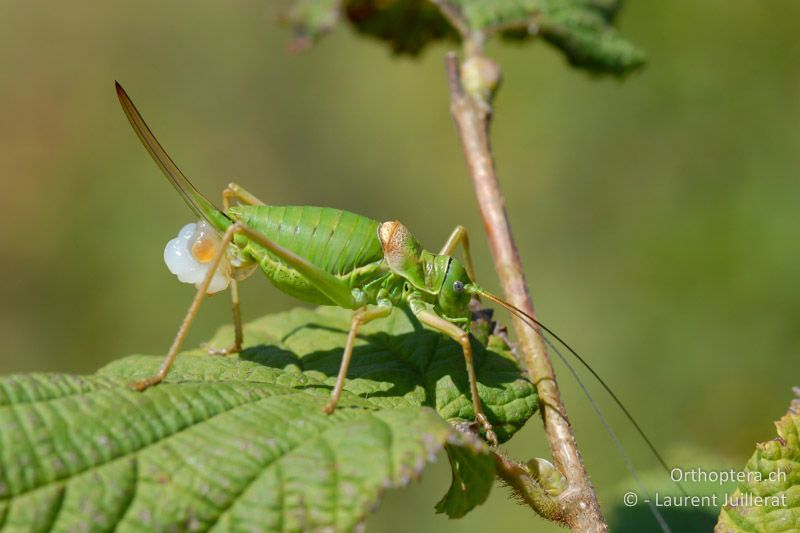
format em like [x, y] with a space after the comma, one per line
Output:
[657, 217]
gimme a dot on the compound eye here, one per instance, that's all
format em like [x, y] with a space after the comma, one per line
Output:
[458, 286]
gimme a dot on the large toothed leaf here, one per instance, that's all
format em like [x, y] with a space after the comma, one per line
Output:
[582, 29]
[396, 363]
[241, 442]
[769, 498]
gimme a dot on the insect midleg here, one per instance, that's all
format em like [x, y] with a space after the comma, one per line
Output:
[460, 235]
[431, 319]
[159, 376]
[360, 317]
[238, 335]
[235, 192]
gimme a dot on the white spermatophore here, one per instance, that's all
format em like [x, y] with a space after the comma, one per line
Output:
[189, 256]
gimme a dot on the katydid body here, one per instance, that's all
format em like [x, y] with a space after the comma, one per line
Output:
[319, 255]
[330, 257]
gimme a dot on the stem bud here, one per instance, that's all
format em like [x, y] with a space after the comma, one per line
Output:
[480, 77]
[548, 476]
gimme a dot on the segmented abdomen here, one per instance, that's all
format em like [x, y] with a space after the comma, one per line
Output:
[335, 240]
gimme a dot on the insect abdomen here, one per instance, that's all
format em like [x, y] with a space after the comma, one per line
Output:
[335, 240]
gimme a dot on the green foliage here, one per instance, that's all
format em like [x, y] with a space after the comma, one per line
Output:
[581, 29]
[473, 476]
[773, 473]
[228, 442]
[407, 26]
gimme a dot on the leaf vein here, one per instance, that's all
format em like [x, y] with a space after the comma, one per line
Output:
[143, 448]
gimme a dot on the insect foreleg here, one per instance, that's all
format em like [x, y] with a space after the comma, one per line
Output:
[159, 376]
[431, 319]
[460, 235]
[234, 191]
[360, 317]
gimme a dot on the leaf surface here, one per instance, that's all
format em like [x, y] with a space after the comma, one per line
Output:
[241, 442]
[773, 476]
[473, 475]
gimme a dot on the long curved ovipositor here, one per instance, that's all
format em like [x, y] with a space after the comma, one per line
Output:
[198, 203]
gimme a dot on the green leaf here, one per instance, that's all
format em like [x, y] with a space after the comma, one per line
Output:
[773, 476]
[233, 442]
[310, 19]
[473, 475]
[585, 35]
[407, 26]
[582, 29]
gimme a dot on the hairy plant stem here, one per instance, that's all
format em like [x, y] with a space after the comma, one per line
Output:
[471, 110]
[527, 490]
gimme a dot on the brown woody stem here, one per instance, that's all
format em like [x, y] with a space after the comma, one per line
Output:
[471, 110]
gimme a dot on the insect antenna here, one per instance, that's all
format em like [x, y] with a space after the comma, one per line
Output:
[617, 443]
[537, 326]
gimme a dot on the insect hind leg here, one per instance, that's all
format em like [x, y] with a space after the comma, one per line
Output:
[332, 287]
[235, 192]
[163, 370]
